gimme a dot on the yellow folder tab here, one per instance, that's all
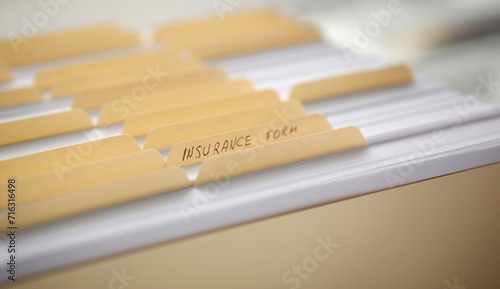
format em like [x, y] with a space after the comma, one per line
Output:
[169, 135]
[352, 83]
[213, 80]
[58, 37]
[227, 32]
[159, 111]
[280, 153]
[101, 196]
[198, 150]
[263, 39]
[5, 75]
[214, 23]
[53, 51]
[204, 95]
[70, 156]
[119, 109]
[147, 73]
[140, 124]
[71, 179]
[19, 96]
[48, 78]
[44, 126]
[139, 90]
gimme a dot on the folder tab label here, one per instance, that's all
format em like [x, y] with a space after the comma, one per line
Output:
[195, 151]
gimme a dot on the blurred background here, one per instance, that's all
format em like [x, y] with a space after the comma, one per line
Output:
[456, 41]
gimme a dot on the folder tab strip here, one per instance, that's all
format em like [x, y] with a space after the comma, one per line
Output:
[149, 73]
[265, 39]
[198, 150]
[120, 109]
[102, 196]
[352, 83]
[48, 78]
[213, 101]
[71, 48]
[280, 153]
[5, 75]
[170, 31]
[177, 90]
[129, 95]
[59, 38]
[55, 183]
[44, 126]
[169, 135]
[229, 32]
[70, 156]
[140, 124]
[19, 96]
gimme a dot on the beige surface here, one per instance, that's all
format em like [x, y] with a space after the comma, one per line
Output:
[422, 235]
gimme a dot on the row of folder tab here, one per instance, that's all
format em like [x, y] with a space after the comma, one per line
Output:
[99, 117]
[173, 99]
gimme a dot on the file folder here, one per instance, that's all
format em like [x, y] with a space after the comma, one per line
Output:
[5, 75]
[19, 96]
[44, 126]
[188, 81]
[270, 128]
[49, 77]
